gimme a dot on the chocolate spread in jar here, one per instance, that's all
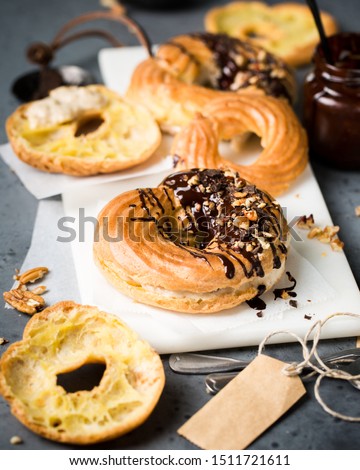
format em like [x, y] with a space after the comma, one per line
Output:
[332, 103]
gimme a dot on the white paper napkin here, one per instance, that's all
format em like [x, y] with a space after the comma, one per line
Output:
[43, 185]
[311, 287]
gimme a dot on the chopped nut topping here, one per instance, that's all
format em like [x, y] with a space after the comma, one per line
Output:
[261, 55]
[239, 60]
[194, 180]
[278, 73]
[15, 440]
[251, 215]
[249, 201]
[305, 222]
[197, 207]
[24, 301]
[242, 222]
[264, 244]
[249, 247]
[236, 203]
[3, 341]
[239, 194]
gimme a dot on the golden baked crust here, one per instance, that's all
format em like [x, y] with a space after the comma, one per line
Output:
[62, 338]
[287, 30]
[188, 72]
[127, 136]
[284, 141]
[203, 241]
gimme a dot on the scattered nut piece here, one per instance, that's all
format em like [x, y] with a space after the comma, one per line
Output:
[32, 275]
[40, 289]
[315, 232]
[305, 222]
[3, 341]
[284, 295]
[357, 211]
[337, 245]
[15, 440]
[327, 235]
[24, 301]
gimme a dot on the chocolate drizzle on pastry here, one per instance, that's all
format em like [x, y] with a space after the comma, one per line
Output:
[286, 292]
[216, 212]
[257, 303]
[240, 65]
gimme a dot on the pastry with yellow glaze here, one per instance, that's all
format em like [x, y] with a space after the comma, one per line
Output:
[82, 131]
[61, 339]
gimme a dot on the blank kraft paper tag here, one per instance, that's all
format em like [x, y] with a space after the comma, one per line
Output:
[245, 408]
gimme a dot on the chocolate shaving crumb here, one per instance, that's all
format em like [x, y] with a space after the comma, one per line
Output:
[307, 317]
[259, 314]
[293, 303]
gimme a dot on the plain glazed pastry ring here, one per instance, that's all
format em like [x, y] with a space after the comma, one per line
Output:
[61, 339]
[284, 141]
[201, 242]
[287, 30]
[82, 131]
[190, 70]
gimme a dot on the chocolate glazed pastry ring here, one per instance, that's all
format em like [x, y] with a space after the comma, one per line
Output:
[201, 242]
[284, 141]
[190, 70]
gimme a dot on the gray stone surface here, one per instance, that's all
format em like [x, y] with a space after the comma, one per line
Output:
[306, 426]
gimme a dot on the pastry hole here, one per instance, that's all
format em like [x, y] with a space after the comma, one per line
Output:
[252, 34]
[85, 377]
[243, 150]
[88, 124]
[55, 422]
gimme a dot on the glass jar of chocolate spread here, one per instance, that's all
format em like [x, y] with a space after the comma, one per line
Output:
[332, 103]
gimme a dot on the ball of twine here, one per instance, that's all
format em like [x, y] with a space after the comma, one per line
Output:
[320, 368]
